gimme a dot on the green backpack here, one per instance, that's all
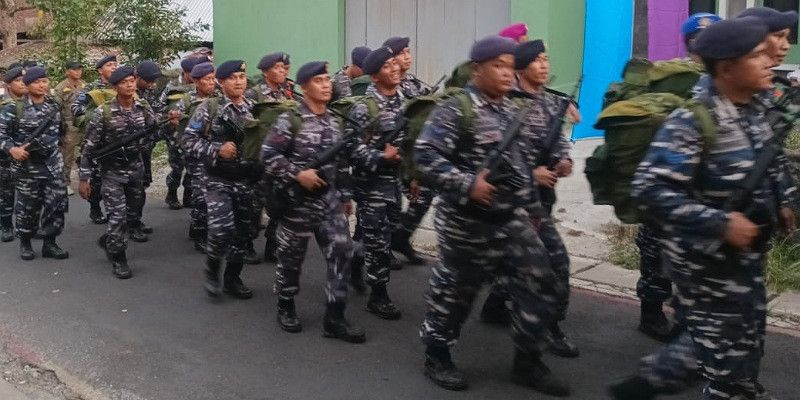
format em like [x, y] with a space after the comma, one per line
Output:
[642, 76]
[97, 97]
[358, 86]
[460, 76]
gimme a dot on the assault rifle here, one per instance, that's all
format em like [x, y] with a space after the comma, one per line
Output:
[33, 140]
[122, 146]
[431, 89]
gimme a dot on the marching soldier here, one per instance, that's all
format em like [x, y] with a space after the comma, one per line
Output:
[275, 86]
[15, 90]
[322, 213]
[230, 195]
[484, 230]
[122, 173]
[30, 132]
[66, 92]
[343, 78]
[105, 67]
[715, 256]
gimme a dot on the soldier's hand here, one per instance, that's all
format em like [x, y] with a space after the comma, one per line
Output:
[740, 231]
[309, 180]
[391, 153]
[564, 168]
[413, 191]
[482, 192]
[19, 153]
[174, 117]
[545, 177]
[227, 151]
[788, 221]
[85, 190]
[573, 114]
[347, 207]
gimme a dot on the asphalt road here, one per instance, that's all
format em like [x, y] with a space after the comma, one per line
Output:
[157, 336]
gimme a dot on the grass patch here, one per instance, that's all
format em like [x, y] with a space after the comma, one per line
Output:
[793, 140]
[160, 156]
[623, 251]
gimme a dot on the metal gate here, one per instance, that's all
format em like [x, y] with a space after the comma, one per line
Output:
[441, 31]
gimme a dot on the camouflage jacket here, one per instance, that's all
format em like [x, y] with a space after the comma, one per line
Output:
[111, 126]
[45, 158]
[410, 86]
[542, 109]
[450, 159]
[285, 154]
[153, 97]
[341, 84]
[78, 107]
[66, 93]
[263, 92]
[684, 188]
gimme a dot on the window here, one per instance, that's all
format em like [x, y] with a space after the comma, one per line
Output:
[785, 5]
[696, 6]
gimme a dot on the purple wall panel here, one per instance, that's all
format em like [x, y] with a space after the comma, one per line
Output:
[664, 18]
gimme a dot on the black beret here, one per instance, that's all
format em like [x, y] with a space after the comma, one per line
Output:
[774, 19]
[374, 61]
[105, 60]
[310, 70]
[526, 53]
[29, 63]
[730, 39]
[202, 69]
[121, 73]
[15, 65]
[269, 60]
[397, 43]
[32, 74]
[491, 47]
[12, 74]
[148, 70]
[358, 55]
[73, 65]
[229, 67]
[189, 62]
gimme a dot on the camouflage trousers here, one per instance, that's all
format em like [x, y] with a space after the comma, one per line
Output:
[96, 183]
[69, 151]
[332, 234]
[230, 218]
[377, 219]
[7, 187]
[179, 172]
[415, 212]
[40, 200]
[725, 316]
[654, 284]
[472, 252]
[199, 213]
[123, 202]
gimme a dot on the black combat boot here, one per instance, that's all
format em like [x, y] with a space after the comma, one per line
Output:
[401, 243]
[26, 249]
[287, 316]
[200, 240]
[187, 197]
[6, 229]
[561, 345]
[212, 285]
[172, 199]
[394, 263]
[101, 242]
[440, 369]
[529, 370]
[336, 326]
[119, 265]
[250, 255]
[145, 228]
[135, 232]
[233, 283]
[654, 323]
[51, 250]
[632, 388]
[495, 311]
[96, 214]
[380, 304]
[357, 274]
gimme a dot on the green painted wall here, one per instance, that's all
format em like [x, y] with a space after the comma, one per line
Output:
[561, 25]
[249, 29]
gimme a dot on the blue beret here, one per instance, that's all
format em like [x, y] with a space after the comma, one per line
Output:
[491, 47]
[730, 39]
[105, 60]
[358, 55]
[269, 60]
[229, 67]
[73, 65]
[189, 62]
[527, 53]
[697, 22]
[15, 65]
[32, 74]
[374, 61]
[121, 73]
[310, 70]
[774, 19]
[397, 43]
[202, 69]
[29, 63]
[148, 70]
[12, 74]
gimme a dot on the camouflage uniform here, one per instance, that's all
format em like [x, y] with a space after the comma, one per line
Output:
[341, 84]
[179, 174]
[199, 213]
[230, 196]
[654, 284]
[720, 290]
[263, 92]
[123, 174]
[41, 192]
[78, 109]
[7, 185]
[376, 186]
[66, 93]
[320, 215]
[152, 97]
[476, 244]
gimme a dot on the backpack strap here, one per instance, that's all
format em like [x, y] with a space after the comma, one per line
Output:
[372, 106]
[213, 110]
[708, 129]
[467, 113]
